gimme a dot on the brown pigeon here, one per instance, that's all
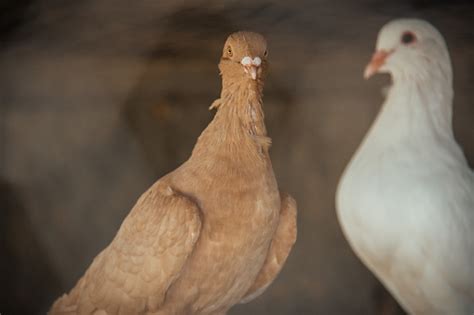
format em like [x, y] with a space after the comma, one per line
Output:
[214, 232]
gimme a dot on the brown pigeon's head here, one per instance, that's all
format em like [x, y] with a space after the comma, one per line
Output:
[244, 57]
[410, 48]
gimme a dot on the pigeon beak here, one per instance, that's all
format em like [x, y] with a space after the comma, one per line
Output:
[251, 66]
[252, 71]
[378, 60]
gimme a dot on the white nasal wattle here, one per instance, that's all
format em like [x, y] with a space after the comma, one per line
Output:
[257, 61]
[247, 61]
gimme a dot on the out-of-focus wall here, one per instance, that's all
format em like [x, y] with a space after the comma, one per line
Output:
[100, 99]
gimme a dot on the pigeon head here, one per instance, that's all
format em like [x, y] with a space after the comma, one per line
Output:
[411, 49]
[244, 56]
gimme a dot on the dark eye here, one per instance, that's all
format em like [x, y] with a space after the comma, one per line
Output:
[229, 51]
[408, 38]
[265, 53]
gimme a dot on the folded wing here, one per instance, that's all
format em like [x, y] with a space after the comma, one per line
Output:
[134, 272]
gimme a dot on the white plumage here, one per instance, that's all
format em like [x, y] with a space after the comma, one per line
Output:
[406, 200]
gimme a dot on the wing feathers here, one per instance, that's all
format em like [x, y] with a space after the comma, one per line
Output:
[134, 272]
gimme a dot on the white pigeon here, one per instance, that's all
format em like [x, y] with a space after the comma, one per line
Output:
[406, 200]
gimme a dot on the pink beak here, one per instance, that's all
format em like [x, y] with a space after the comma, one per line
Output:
[378, 60]
[251, 65]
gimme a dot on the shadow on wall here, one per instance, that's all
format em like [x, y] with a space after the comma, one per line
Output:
[24, 265]
[385, 304]
[22, 256]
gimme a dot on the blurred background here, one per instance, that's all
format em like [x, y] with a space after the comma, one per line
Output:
[101, 98]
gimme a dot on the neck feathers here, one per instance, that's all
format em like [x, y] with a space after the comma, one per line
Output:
[416, 107]
[238, 125]
[429, 93]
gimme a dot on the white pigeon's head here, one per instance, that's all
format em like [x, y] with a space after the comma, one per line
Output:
[410, 48]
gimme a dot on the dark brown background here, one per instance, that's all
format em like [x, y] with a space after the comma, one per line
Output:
[100, 98]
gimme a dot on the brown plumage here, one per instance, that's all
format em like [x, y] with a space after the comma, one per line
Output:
[214, 232]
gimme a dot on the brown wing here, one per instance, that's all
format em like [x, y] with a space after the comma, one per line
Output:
[283, 240]
[134, 272]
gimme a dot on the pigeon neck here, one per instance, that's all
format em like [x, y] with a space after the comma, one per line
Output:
[241, 103]
[417, 108]
[238, 125]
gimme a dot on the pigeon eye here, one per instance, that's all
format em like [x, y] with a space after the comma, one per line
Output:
[229, 51]
[408, 38]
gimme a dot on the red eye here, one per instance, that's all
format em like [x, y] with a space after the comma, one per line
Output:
[408, 38]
